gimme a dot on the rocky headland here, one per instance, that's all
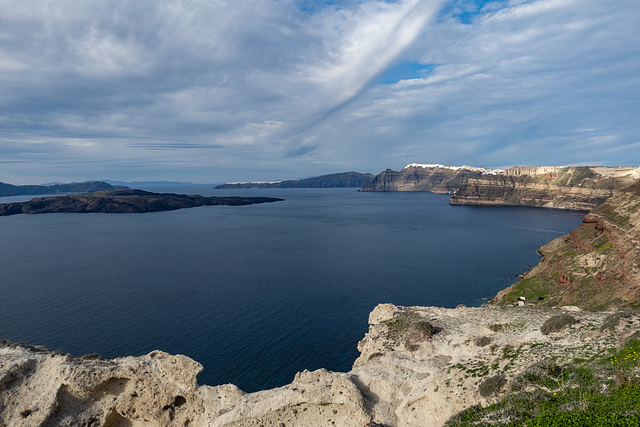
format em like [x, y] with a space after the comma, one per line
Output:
[576, 188]
[336, 180]
[122, 201]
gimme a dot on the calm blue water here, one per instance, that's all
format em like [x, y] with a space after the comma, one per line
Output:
[255, 293]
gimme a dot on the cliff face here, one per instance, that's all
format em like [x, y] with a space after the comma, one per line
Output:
[418, 366]
[577, 188]
[596, 266]
[439, 180]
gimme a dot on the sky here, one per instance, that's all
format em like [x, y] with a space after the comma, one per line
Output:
[213, 91]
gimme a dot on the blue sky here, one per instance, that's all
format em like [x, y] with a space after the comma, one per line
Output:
[213, 91]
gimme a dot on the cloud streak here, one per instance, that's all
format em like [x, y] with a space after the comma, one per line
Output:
[265, 89]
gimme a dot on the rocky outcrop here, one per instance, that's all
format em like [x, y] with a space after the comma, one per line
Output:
[418, 366]
[122, 201]
[336, 180]
[75, 187]
[596, 266]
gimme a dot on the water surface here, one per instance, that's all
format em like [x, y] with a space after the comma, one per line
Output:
[255, 293]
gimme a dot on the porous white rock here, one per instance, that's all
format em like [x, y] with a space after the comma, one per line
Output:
[400, 378]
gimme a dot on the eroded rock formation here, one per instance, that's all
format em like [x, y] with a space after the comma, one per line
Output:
[418, 366]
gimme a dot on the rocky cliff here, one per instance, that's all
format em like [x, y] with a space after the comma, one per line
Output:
[596, 266]
[122, 201]
[577, 188]
[432, 178]
[418, 366]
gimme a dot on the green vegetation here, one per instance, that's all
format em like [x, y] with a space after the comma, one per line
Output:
[557, 323]
[611, 321]
[531, 288]
[492, 385]
[601, 392]
[482, 341]
[411, 327]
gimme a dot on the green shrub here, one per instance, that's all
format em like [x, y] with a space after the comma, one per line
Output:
[482, 341]
[492, 385]
[557, 323]
[409, 327]
[496, 327]
[612, 320]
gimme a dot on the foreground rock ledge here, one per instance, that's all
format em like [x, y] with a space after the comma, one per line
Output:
[407, 374]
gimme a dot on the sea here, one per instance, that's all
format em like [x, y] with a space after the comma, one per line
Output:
[256, 293]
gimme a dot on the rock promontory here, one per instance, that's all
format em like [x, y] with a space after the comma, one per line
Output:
[122, 201]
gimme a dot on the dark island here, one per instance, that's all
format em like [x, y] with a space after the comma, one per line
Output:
[123, 201]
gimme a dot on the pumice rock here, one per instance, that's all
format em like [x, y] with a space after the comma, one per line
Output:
[418, 366]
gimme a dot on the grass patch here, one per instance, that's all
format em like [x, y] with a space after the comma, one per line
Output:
[532, 289]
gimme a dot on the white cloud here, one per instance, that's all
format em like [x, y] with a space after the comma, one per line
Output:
[288, 84]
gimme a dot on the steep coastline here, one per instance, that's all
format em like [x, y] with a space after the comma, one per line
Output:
[575, 188]
[596, 266]
[437, 179]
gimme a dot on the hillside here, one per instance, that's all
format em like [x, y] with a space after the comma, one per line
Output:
[345, 179]
[75, 187]
[596, 266]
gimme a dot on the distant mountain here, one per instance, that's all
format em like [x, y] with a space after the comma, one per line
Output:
[74, 187]
[345, 179]
[133, 184]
